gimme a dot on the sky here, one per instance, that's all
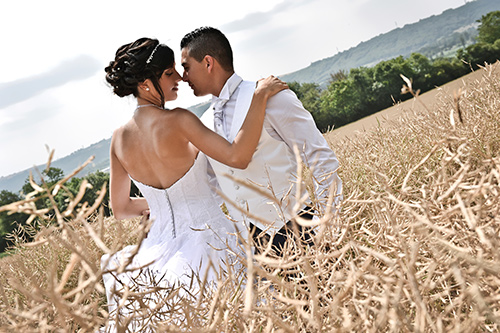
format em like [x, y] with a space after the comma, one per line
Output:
[52, 89]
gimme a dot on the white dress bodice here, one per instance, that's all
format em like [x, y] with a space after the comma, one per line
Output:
[189, 233]
[186, 205]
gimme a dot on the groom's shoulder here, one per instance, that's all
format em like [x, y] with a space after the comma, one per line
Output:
[284, 97]
[248, 82]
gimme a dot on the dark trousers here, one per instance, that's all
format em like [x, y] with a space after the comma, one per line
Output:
[290, 230]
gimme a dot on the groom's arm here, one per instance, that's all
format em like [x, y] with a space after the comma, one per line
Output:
[295, 126]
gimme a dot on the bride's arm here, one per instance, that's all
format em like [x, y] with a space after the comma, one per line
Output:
[240, 152]
[122, 204]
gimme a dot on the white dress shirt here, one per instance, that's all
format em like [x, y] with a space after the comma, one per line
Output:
[231, 86]
[286, 120]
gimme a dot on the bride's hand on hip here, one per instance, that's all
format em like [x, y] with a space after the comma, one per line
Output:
[270, 86]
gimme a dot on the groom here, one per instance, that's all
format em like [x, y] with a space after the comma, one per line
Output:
[207, 59]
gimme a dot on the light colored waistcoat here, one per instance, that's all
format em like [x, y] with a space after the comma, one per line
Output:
[272, 169]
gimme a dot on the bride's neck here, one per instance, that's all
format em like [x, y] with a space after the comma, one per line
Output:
[146, 101]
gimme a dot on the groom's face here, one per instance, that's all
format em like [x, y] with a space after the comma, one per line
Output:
[195, 74]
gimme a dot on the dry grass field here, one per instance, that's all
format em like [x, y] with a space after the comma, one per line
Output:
[431, 100]
[413, 247]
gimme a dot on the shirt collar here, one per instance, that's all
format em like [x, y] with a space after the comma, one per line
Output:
[229, 87]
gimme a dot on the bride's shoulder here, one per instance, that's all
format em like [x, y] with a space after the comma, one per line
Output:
[118, 132]
[123, 129]
[120, 136]
[181, 114]
[167, 121]
[172, 121]
[127, 131]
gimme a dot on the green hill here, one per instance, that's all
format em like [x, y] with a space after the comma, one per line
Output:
[68, 163]
[433, 36]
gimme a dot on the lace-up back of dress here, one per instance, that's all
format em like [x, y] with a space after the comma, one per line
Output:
[187, 204]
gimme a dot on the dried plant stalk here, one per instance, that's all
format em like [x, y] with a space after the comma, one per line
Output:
[412, 247]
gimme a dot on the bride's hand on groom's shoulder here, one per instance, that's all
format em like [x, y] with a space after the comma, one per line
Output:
[271, 85]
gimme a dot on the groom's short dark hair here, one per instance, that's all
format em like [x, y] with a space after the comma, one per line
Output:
[209, 41]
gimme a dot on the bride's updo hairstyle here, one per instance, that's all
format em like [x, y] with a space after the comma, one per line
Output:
[136, 62]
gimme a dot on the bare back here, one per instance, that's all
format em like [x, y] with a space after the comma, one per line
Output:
[151, 149]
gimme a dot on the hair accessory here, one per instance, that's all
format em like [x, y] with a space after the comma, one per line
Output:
[152, 54]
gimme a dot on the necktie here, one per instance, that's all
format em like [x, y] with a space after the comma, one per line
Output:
[219, 117]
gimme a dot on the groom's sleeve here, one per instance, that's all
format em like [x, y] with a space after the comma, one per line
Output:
[296, 127]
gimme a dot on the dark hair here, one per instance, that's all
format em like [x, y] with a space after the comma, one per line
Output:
[136, 62]
[209, 41]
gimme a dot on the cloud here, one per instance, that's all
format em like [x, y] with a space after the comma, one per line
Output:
[29, 118]
[255, 45]
[78, 68]
[252, 20]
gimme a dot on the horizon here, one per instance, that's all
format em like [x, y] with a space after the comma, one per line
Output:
[40, 104]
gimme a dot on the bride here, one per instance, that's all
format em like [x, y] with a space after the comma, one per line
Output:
[160, 150]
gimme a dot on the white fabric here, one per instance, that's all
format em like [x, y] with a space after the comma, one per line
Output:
[220, 101]
[272, 170]
[219, 127]
[286, 122]
[189, 230]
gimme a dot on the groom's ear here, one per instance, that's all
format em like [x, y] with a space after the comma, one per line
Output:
[209, 62]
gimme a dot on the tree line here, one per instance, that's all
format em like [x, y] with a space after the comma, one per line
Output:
[348, 97]
[352, 95]
[19, 225]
